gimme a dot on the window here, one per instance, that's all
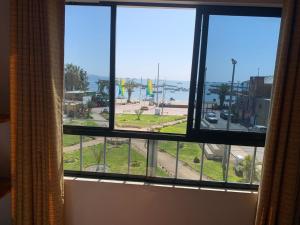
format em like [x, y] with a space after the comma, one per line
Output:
[87, 66]
[168, 93]
[154, 48]
[235, 90]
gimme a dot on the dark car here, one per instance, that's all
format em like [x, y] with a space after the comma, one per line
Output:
[225, 114]
[211, 117]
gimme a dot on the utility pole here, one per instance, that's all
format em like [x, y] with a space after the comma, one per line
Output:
[226, 157]
[141, 84]
[163, 98]
[157, 82]
[234, 62]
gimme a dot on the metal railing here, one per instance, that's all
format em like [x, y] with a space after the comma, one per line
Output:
[152, 154]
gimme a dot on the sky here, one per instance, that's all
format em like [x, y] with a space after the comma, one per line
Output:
[146, 37]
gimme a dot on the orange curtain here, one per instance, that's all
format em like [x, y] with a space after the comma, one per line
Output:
[279, 196]
[36, 91]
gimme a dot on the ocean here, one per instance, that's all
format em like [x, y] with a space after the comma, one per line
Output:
[174, 89]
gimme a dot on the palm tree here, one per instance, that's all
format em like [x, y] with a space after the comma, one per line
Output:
[130, 85]
[222, 90]
[103, 87]
[75, 78]
[247, 167]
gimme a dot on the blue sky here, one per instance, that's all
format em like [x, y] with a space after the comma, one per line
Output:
[149, 36]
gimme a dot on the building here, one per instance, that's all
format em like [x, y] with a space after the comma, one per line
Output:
[253, 100]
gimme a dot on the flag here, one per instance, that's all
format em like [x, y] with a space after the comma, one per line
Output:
[122, 87]
[149, 90]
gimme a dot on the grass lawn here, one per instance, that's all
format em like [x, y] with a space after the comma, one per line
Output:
[146, 121]
[187, 153]
[70, 140]
[116, 159]
[82, 122]
[179, 128]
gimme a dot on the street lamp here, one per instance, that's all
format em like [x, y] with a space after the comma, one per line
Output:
[227, 148]
[234, 62]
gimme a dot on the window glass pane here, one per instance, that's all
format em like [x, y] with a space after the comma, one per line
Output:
[258, 165]
[87, 145]
[160, 162]
[189, 160]
[214, 167]
[138, 157]
[87, 64]
[240, 164]
[240, 66]
[71, 146]
[117, 155]
[153, 68]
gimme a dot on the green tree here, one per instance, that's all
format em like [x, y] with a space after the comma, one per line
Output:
[130, 85]
[75, 78]
[138, 113]
[89, 105]
[103, 87]
[246, 167]
[221, 90]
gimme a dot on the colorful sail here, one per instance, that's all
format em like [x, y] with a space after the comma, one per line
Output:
[149, 90]
[122, 87]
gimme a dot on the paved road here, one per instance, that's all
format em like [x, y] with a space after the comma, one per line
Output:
[236, 150]
[222, 124]
[98, 118]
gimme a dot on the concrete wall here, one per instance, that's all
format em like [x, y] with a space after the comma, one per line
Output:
[94, 202]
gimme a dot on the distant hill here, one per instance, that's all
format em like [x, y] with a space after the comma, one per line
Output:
[93, 79]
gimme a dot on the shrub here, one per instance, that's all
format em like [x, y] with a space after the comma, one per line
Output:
[196, 160]
[135, 164]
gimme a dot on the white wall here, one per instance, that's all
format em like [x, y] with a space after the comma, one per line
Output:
[93, 202]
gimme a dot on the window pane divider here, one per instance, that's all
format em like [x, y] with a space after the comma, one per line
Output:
[104, 155]
[81, 154]
[228, 152]
[201, 162]
[112, 67]
[202, 65]
[196, 49]
[129, 155]
[253, 167]
[177, 159]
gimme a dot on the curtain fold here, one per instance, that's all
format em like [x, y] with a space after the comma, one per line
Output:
[279, 195]
[36, 92]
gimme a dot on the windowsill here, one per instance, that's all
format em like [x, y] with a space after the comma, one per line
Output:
[120, 182]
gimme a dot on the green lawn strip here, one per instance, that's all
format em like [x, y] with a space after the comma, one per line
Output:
[145, 121]
[70, 140]
[187, 153]
[82, 122]
[179, 128]
[116, 159]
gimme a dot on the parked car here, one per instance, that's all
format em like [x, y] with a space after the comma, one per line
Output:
[211, 117]
[225, 114]
[258, 128]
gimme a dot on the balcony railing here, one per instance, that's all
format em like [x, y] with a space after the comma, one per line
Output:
[166, 162]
